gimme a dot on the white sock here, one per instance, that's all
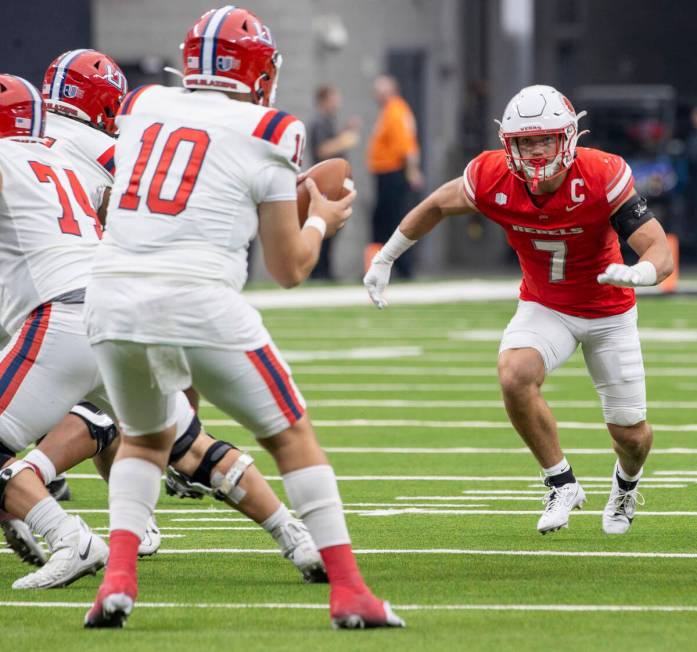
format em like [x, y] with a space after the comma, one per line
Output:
[314, 495]
[46, 518]
[40, 460]
[134, 487]
[280, 517]
[625, 476]
[561, 467]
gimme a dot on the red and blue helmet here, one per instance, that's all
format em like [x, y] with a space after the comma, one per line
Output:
[230, 49]
[22, 111]
[87, 85]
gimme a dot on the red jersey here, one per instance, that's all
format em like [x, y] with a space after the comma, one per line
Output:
[563, 239]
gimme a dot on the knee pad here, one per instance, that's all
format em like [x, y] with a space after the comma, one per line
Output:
[10, 472]
[184, 443]
[197, 485]
[624, 416]
[101, 428]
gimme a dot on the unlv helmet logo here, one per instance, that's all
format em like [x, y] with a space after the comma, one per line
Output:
[115, 78]
[70, 91]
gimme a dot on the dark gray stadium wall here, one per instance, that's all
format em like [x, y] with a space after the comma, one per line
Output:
[36, 31]
[620, 42]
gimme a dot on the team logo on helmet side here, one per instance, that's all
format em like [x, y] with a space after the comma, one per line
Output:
[226, 64]
[70, 91]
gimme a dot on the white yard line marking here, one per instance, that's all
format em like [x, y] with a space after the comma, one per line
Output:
[419, 423]
[581, 608]
[670, 335]
[402, 403]
[372, 353]
[382, 370]
[488, 512]
[451, 551]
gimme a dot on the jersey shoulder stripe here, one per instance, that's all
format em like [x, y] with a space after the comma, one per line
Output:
[129, 102]
[273, 125]
[620, 185]
[106, 160]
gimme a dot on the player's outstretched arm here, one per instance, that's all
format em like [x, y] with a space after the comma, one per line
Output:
[645, 235]
[449, 199]
[291, 253]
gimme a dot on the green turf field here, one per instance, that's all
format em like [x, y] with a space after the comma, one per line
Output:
[441, 499]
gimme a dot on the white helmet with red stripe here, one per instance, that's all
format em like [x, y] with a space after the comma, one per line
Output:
[538, 111]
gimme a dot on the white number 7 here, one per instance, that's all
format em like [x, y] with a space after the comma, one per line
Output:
[558, 250]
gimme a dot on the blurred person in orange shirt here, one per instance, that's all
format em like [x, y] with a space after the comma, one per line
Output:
[394, 158]
[326, 141]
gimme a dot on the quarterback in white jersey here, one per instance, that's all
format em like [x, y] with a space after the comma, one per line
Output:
[199, 170]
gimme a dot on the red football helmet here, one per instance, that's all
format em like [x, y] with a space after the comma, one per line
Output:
[22, 111]
[87, 85]
[230, 49]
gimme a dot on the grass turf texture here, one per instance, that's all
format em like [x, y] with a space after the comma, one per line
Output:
[410, 514]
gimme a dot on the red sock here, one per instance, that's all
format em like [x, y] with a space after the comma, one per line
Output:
[342, 568]
[123, 552]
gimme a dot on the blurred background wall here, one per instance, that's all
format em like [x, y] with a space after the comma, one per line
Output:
[630, 62]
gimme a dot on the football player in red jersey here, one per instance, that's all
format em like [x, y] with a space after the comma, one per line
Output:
[563, 209]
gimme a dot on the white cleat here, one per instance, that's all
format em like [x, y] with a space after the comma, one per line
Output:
[559, 502]
[297, 545]
[150, 543]
[20, 538]
[79, 552]
[621, 508]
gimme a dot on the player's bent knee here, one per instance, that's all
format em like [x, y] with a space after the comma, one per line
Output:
[515, 374]
[624, 417]
[100, 426]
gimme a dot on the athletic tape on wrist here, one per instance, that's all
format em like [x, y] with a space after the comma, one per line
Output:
[316, 222]
[395, 246]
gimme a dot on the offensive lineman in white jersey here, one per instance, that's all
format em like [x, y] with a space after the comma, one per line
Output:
[199, 170]
[48, 234]
[82, 90]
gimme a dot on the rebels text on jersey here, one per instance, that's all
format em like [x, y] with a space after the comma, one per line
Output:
[563, 239]
[49, 231]
[90, 150]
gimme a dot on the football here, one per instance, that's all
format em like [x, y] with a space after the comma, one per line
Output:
[333, 178]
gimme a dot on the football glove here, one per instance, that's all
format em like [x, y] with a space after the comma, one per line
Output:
[376, 280]
[641, 274]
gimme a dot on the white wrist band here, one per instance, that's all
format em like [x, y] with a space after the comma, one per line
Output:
[647, 272]
[315, 222]
[395, 246]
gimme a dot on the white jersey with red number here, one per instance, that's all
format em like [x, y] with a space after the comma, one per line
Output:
[90, 150]
[563, 239]
[48, 229]
[191, 169]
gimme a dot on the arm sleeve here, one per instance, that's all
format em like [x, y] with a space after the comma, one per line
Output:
[274, 183]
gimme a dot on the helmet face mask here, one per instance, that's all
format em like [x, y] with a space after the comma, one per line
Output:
[538, 111]
[230, 49]
[22, 111]
[86, 85]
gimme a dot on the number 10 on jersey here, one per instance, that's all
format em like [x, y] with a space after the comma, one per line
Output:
[131, 199]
